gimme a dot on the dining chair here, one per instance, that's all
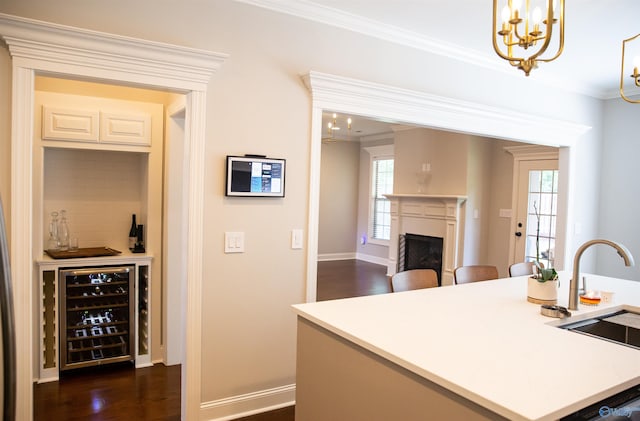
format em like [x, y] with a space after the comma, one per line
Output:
[523, 268]
[474, 273]
[414, 279]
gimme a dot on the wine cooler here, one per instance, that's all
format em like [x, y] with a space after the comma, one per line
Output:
[96, 316]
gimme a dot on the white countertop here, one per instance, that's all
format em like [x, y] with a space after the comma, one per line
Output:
[485, 342]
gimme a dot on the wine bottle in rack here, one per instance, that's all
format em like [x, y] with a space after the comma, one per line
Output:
[133, 232]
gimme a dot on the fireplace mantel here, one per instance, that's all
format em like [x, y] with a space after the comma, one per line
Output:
[425, 197]
[432, 215]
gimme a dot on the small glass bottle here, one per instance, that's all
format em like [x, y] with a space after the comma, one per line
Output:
[52, 242]
[63, 231]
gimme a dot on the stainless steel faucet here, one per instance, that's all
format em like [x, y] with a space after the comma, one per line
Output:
[573, 285]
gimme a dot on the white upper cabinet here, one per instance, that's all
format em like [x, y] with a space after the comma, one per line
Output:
[74, 121]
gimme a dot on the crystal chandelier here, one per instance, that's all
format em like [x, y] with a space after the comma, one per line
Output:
[527, 30]
[634, 64]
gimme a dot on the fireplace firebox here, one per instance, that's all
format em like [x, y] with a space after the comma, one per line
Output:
[420, 252]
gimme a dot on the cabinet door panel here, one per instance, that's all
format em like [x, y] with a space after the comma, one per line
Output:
[67, 124]
[126, 129]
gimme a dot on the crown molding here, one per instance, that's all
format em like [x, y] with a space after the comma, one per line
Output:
[315, 12]
[368, 98]
[532, 152]
[377, 137]
[403, 128]
[615, 94]
[100, 53]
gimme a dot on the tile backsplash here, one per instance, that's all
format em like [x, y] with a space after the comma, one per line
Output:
[99, 190]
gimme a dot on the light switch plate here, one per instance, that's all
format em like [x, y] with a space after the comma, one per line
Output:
[296, 239]
[506, 213]
[234, 242]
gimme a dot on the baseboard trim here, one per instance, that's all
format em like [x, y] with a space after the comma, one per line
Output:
[248, 404]
[327, 257]
[336, 256]
[372, 259]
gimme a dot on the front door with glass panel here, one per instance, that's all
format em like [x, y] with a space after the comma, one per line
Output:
[536, 212]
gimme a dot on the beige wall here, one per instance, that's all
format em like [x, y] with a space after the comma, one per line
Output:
[257, 103]
[101, 90]
[468, 165]
[339, 182]
[500, 191]
[477, 204]
[445, 151]
[374, 252]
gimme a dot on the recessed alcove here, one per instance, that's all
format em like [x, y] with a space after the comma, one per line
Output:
[42, 48]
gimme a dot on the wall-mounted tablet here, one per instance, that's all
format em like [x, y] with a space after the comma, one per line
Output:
[255, 176]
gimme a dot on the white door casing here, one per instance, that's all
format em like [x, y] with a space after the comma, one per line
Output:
[526, 158]
[352, 96]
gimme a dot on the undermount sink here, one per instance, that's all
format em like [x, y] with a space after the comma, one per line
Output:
[622, 327]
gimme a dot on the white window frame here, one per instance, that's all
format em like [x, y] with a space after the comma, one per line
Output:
[552, 216]
[376, 153]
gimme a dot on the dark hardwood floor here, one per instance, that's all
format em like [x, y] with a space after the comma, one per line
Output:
[282, 414]
[122, 393]
[350, 278]
[111, 392]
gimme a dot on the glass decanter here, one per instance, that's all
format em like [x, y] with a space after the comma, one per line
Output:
[63, 231]
[52, 242]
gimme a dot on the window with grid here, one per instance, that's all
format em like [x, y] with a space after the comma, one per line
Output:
[541, 218]
[381, 183]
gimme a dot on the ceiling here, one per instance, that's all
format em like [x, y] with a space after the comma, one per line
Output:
[362, 128]
[594, 30]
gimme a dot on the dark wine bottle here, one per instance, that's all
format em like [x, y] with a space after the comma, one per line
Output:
[133, 232]
[139, 245]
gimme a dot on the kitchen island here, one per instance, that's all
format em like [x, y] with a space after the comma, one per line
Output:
[473, 351]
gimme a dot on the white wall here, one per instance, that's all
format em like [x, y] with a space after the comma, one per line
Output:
[620, 190]
[257, 103]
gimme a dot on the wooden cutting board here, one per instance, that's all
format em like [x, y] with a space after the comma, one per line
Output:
[82, 252]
